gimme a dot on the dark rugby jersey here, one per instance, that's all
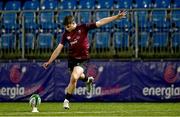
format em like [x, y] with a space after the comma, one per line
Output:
[78, 41]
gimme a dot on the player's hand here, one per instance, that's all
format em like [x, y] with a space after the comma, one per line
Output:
[122, 14]
[45, 65]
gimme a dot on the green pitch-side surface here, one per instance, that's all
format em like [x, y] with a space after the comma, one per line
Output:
[92, 109]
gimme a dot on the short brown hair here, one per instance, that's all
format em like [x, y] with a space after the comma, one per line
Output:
[68, 20]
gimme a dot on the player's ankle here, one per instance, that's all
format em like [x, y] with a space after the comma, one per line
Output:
[68, 96]
[66, 100]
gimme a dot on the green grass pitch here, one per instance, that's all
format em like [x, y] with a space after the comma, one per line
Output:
[92, 109]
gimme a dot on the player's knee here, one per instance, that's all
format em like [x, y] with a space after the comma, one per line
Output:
[82, 75]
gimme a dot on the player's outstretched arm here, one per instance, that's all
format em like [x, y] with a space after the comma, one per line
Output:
[120, 15]
[54, 55]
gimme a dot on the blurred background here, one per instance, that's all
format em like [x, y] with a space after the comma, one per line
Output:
[133, 59]
[31, 29]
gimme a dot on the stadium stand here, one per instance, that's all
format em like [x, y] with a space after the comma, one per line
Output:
[29, 41]
[46, 18]
[123, 25]
[160, 39]
[176, 4]
[121, 40]
[142, 4]
[123, 4]
[143, 39]
[8, 41]
[162, 4]
[104, 4]
[159, 18]
[86, 4]
[68, 4]
[1, 5]
[176, 40]
[10, 19]
[143, 20]
[153, 23]
[102, 40]
[84, 16]
[45, 41]
[30, 17]
[176, 19]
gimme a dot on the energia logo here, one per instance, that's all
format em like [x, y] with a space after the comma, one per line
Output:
[15, 74]
[12, 92]
[164, 92]
[98, 91]
[170, 76]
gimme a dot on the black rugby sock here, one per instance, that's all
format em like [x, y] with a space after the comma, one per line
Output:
[84, 79]
[68, 96]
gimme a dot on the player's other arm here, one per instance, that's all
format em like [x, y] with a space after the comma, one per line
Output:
[120, 15]
[54, 55]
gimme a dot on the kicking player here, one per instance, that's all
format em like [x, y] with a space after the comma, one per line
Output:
[77, 38]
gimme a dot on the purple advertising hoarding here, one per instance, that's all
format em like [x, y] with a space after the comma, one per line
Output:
[114, 81]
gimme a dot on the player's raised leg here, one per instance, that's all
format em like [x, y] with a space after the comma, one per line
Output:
[89, 82]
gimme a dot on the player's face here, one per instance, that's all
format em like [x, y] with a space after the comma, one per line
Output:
[70, 27]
